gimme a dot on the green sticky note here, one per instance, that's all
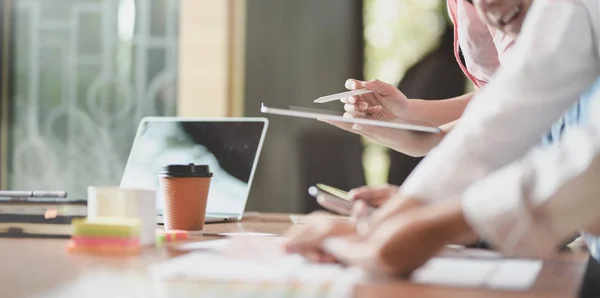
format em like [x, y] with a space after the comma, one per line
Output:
[106, 227]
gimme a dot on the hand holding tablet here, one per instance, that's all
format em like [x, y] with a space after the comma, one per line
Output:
[378, 95]
[332, 116]
[377, 111]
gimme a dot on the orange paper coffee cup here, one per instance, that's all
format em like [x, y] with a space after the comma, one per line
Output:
[184, 190]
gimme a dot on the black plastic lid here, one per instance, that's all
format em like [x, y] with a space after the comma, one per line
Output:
[184, 171]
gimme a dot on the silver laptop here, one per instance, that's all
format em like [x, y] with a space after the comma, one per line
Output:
[229, 146]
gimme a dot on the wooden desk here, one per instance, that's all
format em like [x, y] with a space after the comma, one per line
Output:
[42, 267]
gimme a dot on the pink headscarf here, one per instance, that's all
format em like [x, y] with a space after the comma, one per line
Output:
[483, 48]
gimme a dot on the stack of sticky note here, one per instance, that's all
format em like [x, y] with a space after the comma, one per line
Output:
[170, 236]
[102, 235]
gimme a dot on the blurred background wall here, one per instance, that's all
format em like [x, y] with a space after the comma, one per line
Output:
[78, 75]
[295, 52]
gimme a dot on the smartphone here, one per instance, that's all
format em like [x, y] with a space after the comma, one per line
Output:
[331, 198]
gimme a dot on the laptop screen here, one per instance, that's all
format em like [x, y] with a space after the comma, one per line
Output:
[229, 148]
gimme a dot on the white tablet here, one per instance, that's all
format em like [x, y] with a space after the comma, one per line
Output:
[338, 117]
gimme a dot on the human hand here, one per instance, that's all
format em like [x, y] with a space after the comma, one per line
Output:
[367, 198]
[412, 143]
[307, 239]
[396, 205]
[400, 204]
[402, 243]
[363, 200]
[389, 104]
[385, 103]
[334, 204]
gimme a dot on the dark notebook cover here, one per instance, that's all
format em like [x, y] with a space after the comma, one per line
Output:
[39, 218]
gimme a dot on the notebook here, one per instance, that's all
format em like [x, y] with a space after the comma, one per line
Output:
[39, 218]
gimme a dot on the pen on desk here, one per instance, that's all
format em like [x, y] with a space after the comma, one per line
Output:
[15, 193]
[338, 96]
[32, 194]
[49, 194]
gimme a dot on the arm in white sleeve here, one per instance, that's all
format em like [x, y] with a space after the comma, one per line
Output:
[533, 205]
[551, 64]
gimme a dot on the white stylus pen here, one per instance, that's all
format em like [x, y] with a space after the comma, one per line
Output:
[338, 96]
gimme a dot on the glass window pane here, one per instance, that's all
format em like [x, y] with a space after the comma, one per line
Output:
[84, 74]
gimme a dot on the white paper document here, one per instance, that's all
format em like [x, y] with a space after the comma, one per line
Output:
[212, 245]
[509, 274]
[245, 259]
[249, 234]
[261, 259]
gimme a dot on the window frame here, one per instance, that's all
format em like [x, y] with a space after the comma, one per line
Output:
[6, 14]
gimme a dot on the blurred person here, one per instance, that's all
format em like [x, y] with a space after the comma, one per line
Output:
[437, 68]
[480, 49]
[522, 205]
[525, 209]
[511, 138]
